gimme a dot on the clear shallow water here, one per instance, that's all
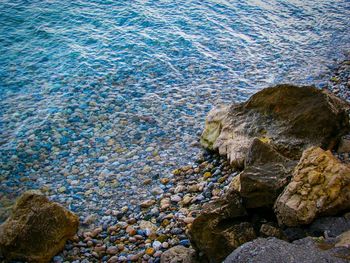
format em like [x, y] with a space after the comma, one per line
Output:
[116, 91]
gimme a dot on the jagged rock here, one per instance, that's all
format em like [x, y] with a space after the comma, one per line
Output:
[344, 145]
[343, 240]
[220, 227]
[329, 226]
[288, 117]
[272, 250]
[37, 229]
[320, 186]
[266, 174]
[179, 254]
[267, 230]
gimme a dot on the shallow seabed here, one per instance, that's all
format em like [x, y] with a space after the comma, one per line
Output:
[99, 96]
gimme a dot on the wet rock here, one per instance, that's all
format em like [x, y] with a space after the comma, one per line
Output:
[320, 186]
[37, 229]
[287, 117]
[220, 227]
[149, 228]
[266, 174]
[272, 250]
[179, 254]
[147, 203]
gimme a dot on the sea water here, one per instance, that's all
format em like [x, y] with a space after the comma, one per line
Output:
[98, 96]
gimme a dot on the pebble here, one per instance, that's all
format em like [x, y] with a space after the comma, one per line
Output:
[130, 230]
[112, 250]
[157, 245]
[62, 189]
[175, 198]
[150, 251]
[147, 203]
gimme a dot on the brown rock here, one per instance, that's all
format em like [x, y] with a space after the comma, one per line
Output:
[267, 230]
[266, 174]
[179, 254]
[288, 117]
[37, 229]
[320, 186]
[220, 228]
[147, 203]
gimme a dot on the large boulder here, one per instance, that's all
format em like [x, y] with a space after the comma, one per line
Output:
[37, 229]
[320, 186]
[179, 254]
[288, 117]
[272, 250]
[220, 227]
[266, 174]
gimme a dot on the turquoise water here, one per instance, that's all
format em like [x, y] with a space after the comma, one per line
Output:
[117, 91]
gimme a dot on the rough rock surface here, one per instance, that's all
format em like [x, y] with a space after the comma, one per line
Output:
[343, 240]
[287, 117]
[179, 254]
[330, 226]
[37, 229]
[320, 186]
[266, 174]
[220, 228]
[272, 250]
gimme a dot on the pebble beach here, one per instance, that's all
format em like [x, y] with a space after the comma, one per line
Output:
[105, 116]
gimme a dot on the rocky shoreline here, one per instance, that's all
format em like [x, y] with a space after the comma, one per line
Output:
[214, 207]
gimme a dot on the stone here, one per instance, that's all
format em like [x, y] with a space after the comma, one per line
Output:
[329, 226]
[147, 181]
[343, 240]
[187, 199]
[165, 203]
[207, 175]
[179, 254]
[164, 180]
[286, 116]
[271, 250]
[37, 229]
[130, 230]
[90, 219]
[148, 227]
[113, 259]
[147, 203]
[150, 251]
[62, 189]
[344, 145]
[266, 174]
[267, 230]
[156, 245]
[157, 191]
[175, 198]
[220, 228]
[188, 220]
[320, 186]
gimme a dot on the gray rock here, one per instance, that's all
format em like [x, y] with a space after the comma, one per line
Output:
[272, 250]
[330, 226]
